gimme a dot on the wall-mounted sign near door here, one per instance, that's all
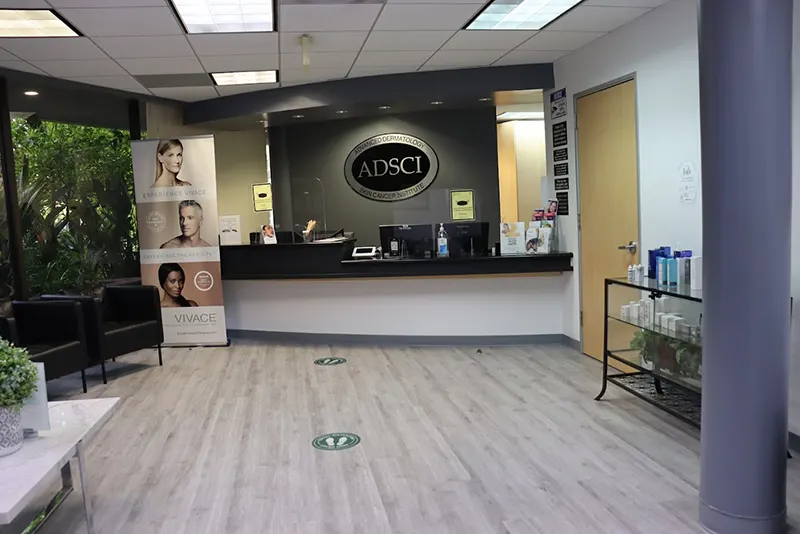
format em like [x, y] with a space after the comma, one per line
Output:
[562, 184]
[391, 167]
[560, 154]
[560, 133]
[561, 169]
[563, 203]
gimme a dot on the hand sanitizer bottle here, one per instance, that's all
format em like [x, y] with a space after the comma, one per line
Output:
[630, 273]
[442, 248]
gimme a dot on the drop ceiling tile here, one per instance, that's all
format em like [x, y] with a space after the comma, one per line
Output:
[327, 18]
[293, 76]
[172, 65]
[231, 44]
[186, 94]
[407, 40]
[123, 22]
[320, 59]
[323, 41]
[465, 58]
[357, 72]
[425, 16]
[487, 40]
[557, 40]
[597, 19]
[428, 67]
[24, 4]
[123, 83]
[139, 47]
[47, 48]
[436, 1]
[226, 90]
[524, 57]
[240, 63]
[75, 68]
[625, 3]
[21, 66]
[388, 59]
[107, 3]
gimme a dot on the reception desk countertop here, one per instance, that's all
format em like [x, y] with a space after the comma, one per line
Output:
[330, 260]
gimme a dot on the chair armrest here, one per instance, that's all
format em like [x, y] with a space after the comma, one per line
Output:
[48, 322]
[92, 318]
[8, 329]
[131, 303]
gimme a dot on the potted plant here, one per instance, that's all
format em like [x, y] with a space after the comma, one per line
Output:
[17, 383]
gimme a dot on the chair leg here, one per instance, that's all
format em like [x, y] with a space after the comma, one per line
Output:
[103, 369]
[160, 360]
[83, 379]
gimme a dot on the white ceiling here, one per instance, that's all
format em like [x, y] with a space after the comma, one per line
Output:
[127, 38]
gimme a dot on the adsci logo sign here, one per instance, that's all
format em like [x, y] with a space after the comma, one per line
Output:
[391, 167]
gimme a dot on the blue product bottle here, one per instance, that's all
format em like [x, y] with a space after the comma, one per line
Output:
[672, 272]
[661, 270]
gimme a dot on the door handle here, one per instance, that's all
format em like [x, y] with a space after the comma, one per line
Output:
[630, 247]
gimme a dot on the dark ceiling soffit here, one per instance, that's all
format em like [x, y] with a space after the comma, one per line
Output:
[429, 84]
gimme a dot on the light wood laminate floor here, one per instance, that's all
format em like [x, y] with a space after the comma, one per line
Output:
[502, 441]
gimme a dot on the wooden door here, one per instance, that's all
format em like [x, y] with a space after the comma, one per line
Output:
[609, 200]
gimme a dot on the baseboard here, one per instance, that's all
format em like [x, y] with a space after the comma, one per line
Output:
[794, 442]
[393, 340]
[571, 343]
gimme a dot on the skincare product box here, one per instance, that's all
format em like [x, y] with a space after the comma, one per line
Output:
[636, 308]
[661, 270]
[684, 273]
[512, 238]
[657, 319]
[625, 312]
[676, 325]
[696, 269]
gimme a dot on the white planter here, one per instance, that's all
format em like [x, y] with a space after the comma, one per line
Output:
[10, 431]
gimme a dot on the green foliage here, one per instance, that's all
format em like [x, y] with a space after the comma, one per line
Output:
[17, 375]
[78, 214]
[688, 356]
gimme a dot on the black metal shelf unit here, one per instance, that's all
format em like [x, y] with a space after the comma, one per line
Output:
[659, 365]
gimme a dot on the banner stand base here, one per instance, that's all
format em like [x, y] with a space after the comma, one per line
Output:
[194, 345]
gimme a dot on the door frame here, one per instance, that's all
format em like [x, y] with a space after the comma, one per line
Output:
[631, 77]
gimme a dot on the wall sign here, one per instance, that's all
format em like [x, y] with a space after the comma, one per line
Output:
[561, 169]
[563, 203]
[462, 205]
[262, 197]
[560, 133]
[391, 167]
[558, 104]
[560, 155]
[561, 184]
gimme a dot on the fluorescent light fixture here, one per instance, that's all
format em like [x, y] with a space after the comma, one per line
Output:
[384, 107]
[230, 16]
[31, 93]
[521, 116]
[520, 14]
[485, 99]
[341, 111]
[33, 23]
[245, 77]
[298, 116]
[437, 103]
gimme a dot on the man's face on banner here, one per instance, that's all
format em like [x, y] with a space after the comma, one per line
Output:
[191, 219]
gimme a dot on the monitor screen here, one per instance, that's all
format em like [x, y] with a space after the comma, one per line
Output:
[413, 240]
[468, 238]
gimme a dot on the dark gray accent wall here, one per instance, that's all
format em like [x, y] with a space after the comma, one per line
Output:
[465, 142]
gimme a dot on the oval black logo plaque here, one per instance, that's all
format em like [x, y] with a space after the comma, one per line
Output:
[391, 167]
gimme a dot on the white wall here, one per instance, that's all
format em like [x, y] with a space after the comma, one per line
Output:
[661, 49]
[435, 306]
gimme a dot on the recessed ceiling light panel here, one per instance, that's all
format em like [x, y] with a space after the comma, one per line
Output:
[520, 14]
[33, 23]
[213, 16]
[31, 93]
[245, 77]
[521, 116]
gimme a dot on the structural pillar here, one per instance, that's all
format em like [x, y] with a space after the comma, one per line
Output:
[13, 216]
[745, 107]
[134, 120]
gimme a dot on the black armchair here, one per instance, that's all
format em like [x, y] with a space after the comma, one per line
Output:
[53, 333]
[126, 320]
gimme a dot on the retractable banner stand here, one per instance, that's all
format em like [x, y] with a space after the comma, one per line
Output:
[176, 208]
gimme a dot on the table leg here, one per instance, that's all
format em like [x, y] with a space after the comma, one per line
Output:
[87, 505]
[55, 502]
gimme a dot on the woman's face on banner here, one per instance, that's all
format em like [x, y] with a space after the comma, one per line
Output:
[172, 159]
[174, 284]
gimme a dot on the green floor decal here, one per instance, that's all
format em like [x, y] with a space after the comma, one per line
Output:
[338, 441]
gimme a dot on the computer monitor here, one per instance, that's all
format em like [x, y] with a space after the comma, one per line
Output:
[467, 239]
[414, 240]
[287, 236]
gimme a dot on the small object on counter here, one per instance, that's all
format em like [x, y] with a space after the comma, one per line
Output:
[442, 245]
[630, 273]
[635, 311]
[512, 238]
[696, 269]
[672, 272]
[657, 319]
[625, 312]
[394, 247]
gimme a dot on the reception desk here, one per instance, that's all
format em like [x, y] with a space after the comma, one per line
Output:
[310, 292]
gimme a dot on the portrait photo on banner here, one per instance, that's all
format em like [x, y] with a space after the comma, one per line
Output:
[178, 224]
[186, 284]
[164, 168]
